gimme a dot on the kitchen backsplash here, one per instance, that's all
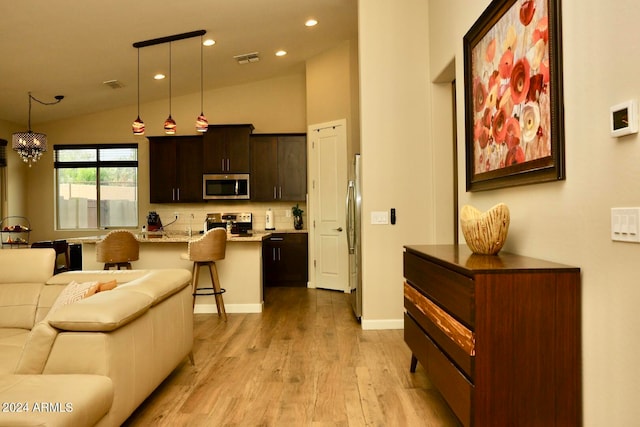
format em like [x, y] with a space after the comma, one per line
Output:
[193, 215]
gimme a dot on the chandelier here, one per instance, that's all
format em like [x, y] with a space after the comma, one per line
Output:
[30, 145]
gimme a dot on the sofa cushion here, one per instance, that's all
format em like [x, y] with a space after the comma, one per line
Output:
[11, 343]
[36, 349]
[27, 265]
[48, 295]
[55, 400]
[158, 284]
[102, 312]
[120, 276]
[18, 303]
[40, 340]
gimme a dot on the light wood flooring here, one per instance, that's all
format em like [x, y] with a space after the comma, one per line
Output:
[304, 361]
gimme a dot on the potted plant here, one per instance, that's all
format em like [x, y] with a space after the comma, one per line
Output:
[297, 217]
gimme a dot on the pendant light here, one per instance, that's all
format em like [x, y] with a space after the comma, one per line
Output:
[138, 124]
[31, 145]
[202, 124]
[170, 124]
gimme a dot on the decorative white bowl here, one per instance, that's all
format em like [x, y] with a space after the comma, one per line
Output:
[486, 232]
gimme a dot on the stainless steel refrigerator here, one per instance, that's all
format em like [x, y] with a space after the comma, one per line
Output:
[354, 216]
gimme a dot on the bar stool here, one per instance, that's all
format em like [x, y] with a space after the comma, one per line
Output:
[206, 250]
[61, 247]
[118, 249]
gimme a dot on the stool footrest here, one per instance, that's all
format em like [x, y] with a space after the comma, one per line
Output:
[212, 292]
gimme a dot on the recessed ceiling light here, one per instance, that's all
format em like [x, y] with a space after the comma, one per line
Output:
[311, 22]
[209, 42]
[159, 76]
[281, 53]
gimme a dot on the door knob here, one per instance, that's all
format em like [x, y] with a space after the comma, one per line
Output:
[338, 229]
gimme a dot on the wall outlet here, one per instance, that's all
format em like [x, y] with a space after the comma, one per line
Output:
[176, 215]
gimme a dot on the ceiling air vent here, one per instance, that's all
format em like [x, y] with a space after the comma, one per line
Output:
[113, 84]
[247, 58]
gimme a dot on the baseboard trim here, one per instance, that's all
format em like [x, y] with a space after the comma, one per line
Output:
[369, 325]
[229, 308]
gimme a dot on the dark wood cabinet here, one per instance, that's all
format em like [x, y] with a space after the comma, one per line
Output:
[285, 260]
[279, 167]
[226, 148]
[175, 169]
[499, 336]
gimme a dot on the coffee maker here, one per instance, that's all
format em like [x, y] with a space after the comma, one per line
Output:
[153, 222]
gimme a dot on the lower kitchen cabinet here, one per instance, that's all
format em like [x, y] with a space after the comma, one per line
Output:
[285, 260]
[498, 336]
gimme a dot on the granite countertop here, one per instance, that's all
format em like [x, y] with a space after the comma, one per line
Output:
[175, 238]
[181, 237]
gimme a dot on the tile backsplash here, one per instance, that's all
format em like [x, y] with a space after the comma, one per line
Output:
[193, 215]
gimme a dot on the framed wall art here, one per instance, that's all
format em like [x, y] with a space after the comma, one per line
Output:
[514, 119]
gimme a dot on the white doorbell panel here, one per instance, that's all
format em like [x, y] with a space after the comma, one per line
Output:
[624, 118]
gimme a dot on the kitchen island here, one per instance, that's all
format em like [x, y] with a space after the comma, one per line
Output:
[240, 272]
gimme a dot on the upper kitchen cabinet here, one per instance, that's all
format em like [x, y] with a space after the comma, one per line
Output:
[226, 149]
[175, 169]
[278, 167]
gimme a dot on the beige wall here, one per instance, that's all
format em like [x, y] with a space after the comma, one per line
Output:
[569, 221]
[13, 202]
[332, 90]
[396, 159]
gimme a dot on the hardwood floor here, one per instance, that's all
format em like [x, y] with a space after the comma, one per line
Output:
[304, 361]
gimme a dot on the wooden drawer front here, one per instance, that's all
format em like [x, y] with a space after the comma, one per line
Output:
[451, 336]
[451, 291]
[450, 382]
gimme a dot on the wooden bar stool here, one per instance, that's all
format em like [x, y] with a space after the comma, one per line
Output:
[206, 250]
[118, 249]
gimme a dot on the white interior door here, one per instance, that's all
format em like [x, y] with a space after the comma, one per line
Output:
[328, 160]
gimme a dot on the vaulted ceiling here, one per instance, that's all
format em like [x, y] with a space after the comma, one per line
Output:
[71, 48]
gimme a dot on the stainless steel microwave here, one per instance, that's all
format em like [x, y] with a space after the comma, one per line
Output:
[221, 186]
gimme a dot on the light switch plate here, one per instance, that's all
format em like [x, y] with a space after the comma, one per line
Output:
[380, 217]
[625, 224]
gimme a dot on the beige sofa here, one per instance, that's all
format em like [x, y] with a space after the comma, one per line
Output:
[93, 361]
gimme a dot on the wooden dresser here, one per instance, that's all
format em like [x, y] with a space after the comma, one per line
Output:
[499, 336]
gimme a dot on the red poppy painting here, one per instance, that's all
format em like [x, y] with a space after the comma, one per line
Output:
[513, 95]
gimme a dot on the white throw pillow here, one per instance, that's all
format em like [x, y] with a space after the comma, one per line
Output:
[73, 292]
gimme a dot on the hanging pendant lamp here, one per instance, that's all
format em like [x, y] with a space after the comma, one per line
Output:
[31, 145]
[138, 124]
[202, 124]
[170, 124]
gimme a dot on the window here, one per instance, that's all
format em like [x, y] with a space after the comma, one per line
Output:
[96, 186]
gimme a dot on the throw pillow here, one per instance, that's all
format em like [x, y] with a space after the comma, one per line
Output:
[76, 291]
[73, 292]
[101, 287]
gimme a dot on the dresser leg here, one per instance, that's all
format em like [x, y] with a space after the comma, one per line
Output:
[414, 363]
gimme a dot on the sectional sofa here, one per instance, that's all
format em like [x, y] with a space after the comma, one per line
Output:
[69, 359]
